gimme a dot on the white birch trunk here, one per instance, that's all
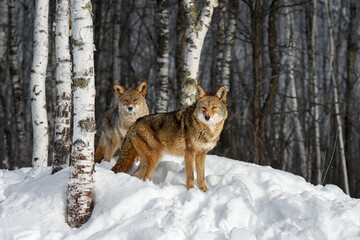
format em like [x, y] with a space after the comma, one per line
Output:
[196, 32]
[315, 95]
[329, 13]
[228, 49]
[163, 58]
[62, 138]
[220, 42]
[300, 140]
[79, 206]
[37, 85]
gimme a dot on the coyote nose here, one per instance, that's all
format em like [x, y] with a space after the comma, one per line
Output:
[130, 108]
[207, 117]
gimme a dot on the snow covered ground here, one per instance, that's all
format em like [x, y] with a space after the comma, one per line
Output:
[244, 201]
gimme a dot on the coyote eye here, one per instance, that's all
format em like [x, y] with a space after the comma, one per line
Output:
[214, 107]
[203, 108]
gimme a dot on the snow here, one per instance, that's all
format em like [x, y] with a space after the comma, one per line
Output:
[243, 201]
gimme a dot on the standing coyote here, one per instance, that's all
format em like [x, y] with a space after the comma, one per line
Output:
[117, 120]
[191, 132]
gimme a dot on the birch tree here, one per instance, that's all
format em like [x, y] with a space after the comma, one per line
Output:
[62, 138]
[229, 44]
[37, 85]
[315, 110]
[163, 57]
[198, 25]
[180, 44]
[293, 102]
[79, 201]
[332, 67]
[221, 35]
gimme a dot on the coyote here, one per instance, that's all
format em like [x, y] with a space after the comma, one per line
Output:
[117, 120]
[191, 132]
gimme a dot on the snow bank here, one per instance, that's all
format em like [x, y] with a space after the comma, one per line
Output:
[244, 201]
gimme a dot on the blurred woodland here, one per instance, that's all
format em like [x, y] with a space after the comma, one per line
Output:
[291, 67]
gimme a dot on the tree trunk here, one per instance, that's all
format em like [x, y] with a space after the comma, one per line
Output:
[116, 43]
[180, 44]
[22, 140]
[274, 80]
[163, 58]
[221, 35]
[37, 85]
[79, 201]
[198, 25]
[62, 138]
[4, 20]
[332, 67]
[229, 44]
[300, 140]
[258, 155]
[350, 83]
[223, 72]
[315, 93]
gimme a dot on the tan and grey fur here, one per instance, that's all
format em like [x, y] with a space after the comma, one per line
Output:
[191, 132]
[131, 105]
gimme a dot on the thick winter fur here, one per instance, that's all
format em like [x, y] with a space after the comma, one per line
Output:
[191, 132]
[117, 121]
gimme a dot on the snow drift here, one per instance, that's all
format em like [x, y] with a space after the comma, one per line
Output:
[244, 201]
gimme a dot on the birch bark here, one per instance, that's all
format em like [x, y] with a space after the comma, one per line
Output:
[163, 58]
[221, 35]
[329, 13]
[37, 85]
[198, 25]
[300, 140]
[79, 201]
[229, 45]
[62, 138]
[315, 109]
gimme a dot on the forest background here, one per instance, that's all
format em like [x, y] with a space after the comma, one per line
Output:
[292, 82]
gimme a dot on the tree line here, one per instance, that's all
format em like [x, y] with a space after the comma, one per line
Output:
[290, 67]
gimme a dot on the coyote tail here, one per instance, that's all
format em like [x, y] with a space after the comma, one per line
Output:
[127, 155]
[99, 153]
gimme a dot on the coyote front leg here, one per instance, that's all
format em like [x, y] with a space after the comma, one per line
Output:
[200, 170]
[189, 168]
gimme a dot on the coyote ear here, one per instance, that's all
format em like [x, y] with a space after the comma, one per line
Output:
[221, 94]
[119, 89]
[142, 88]
[200, 93]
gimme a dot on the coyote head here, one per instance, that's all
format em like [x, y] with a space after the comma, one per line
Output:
[211, 109]
[131, 100]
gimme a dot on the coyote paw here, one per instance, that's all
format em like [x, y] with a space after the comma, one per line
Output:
[203, 188]
[115, 169]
